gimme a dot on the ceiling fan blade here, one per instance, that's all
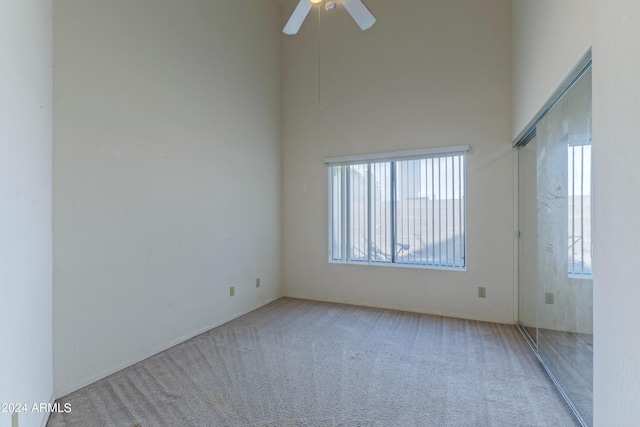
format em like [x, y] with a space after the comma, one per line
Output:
[297, 17]
[359, 13]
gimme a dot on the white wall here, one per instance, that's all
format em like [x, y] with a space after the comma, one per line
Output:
[25, 206]
[167, 132]
[616, 108]
[427, 74]
[549, 38]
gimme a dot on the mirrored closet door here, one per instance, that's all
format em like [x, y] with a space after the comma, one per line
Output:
[555, 248]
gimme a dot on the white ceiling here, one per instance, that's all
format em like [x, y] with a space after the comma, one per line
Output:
[284, 2]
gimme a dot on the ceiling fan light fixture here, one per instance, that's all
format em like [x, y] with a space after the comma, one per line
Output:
[355, 8]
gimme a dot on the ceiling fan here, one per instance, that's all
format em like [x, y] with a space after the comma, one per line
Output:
[356, 9]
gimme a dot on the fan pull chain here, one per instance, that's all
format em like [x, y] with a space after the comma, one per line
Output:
[319, 98]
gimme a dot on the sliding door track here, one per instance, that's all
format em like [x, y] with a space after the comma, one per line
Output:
[555, 382]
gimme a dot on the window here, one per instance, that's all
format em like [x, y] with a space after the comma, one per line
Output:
[404, 208]
[579, 203]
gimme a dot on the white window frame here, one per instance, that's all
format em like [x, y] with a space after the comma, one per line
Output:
[576, 198]
[392, 158]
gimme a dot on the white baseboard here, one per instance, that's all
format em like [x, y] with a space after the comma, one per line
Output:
[124, 365]
[400, 308]
[154, 352]
[45, 420]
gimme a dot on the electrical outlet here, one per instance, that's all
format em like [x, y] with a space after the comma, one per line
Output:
[232, 291]
[548, 297]
[482, 292]
[258, 282]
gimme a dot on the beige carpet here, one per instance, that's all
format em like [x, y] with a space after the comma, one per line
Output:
[303, 363]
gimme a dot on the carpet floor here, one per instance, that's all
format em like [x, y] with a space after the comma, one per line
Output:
[299, 363]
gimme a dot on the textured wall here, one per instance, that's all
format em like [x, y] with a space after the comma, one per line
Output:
[25, 206]
[549, 38]
[427, 74]
[167, 174]
[616, 108]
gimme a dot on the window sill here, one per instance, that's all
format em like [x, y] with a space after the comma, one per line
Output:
[399, 265]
